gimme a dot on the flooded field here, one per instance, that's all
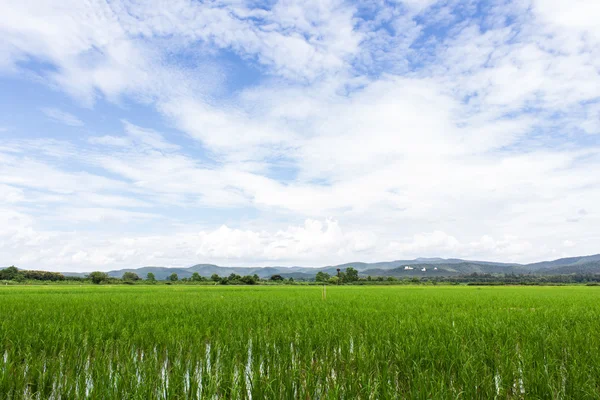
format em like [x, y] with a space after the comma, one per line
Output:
[145, 342]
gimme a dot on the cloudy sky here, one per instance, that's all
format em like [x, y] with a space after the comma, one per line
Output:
[297, 132]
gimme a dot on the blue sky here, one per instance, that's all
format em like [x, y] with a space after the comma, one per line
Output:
[297, 132]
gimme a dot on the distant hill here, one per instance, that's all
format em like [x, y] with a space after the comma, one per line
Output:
[433, 267]
[448, 269]
[591, 267]
[563, 262]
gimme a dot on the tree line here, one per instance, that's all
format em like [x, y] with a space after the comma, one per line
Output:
[14, 274]
[349, 276]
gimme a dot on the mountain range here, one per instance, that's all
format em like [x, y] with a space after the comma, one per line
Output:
[398, 268]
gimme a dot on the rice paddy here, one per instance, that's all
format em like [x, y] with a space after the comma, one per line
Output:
[287, 342]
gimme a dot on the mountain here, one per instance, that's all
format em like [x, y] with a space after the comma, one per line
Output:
[447, 269]
[591, 267]
[563, 262]
[432, 266]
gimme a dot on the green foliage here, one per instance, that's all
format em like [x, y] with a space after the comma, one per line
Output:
[249, 280]
[130, 276]
[98, 277]
[334, 280]
[234, 277]
[196, 277]
[14, 274]
[150, 277]
[215, 278]
[42, 275]
[10, 274]
[173, 277]
[276, 278]
[322, 276]
[351, 275]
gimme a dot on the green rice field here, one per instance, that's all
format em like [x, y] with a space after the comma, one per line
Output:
[287, 342]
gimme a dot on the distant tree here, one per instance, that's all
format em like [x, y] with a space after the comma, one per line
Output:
[173, 277]
[276, 277]
[215, 277]
[98, 277]
[196, 277]
[291, 280]
[248, 280]
[8, 274]
[369, 278]
[334, 280]
[42, 275]
[256, 277]
[130, 276]
[150, 277]
[234, 277]
[322, 276]
[351, 275]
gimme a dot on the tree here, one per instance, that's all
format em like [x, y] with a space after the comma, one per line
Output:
[42, 275]
[322, 276]
[248, 280]
[196, 277]
[173, 277]
[334, 280]
[351, 275]
[215, 277]
[150, 277]
[130, 276]
[97, 277]
[8, 274]
[234, 277]
[276, 277]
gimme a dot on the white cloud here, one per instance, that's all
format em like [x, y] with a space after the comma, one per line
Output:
[62, 117]
[115, 141]
[577, 15]
[476, 143]
[10, 194]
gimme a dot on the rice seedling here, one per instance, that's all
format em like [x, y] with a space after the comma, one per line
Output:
[161, 342]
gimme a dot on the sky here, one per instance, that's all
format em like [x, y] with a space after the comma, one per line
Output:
[290, 132]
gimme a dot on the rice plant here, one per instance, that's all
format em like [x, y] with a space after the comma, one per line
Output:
[180, 342]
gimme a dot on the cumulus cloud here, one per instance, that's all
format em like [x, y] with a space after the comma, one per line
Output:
[366, 137]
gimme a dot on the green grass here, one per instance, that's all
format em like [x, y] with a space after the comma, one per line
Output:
[178, 342]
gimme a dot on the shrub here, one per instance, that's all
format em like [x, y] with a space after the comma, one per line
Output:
[130, 276]
[98, 277]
